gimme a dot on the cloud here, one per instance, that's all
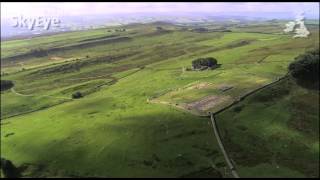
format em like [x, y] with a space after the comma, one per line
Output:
[297, 25]
[289, 27]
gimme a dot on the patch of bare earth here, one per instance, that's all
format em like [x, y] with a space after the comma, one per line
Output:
[56, 58]
[207, 103]
[202, 85]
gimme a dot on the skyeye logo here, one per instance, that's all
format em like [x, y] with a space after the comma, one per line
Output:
[33, 23]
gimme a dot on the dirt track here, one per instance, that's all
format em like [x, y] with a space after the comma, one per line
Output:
[32, 95]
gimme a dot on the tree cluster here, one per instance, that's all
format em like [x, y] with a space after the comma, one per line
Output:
[305, 67]
[204, 62]
[77, 95]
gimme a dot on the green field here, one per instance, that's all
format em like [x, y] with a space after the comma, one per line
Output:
[133, 120]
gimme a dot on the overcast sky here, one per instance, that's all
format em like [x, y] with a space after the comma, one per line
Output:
[9, 10]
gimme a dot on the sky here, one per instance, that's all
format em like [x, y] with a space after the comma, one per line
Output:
[35, 9]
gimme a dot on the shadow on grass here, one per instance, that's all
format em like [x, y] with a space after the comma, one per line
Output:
[131, 146]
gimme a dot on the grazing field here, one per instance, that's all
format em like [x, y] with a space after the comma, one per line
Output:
[142, 114]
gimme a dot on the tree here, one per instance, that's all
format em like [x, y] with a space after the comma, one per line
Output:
[6, 84]
[39, 52]
[77, 95]
[305, 68]
[159, 28]
[8, 169]
[201, 29]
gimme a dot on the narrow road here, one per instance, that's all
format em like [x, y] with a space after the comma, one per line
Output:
[225, 154]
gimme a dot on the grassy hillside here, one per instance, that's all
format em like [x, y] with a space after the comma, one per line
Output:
[275, 132]
[140, 113]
